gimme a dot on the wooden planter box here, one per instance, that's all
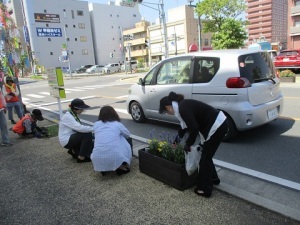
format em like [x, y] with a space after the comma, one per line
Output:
[287, 79]
[165, 171]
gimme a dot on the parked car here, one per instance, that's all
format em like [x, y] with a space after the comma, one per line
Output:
[82, 69]
[126, 66]
[288, 59]
[241, 83]
[95, 69]
[111, 68]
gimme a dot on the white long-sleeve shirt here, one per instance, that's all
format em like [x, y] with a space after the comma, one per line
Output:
[68, 126]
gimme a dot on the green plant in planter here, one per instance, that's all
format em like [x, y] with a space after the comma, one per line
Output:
[286, 73]
[164, 148]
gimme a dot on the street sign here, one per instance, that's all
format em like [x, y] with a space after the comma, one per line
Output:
[56, 82]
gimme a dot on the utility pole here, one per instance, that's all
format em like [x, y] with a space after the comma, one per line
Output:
[68, 54]
[129, 56]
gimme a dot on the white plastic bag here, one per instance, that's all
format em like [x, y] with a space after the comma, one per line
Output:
[192, 159]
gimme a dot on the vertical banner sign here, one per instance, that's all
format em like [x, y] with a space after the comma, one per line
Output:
[56, 82]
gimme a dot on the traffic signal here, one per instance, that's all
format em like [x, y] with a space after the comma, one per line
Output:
[139, 1]
[111, 55]
[147, 43]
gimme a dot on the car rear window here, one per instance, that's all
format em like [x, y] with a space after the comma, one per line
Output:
[288, 53]
[256, 66]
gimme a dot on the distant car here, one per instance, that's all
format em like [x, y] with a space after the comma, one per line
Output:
[82, 69]
[95, 69]
[241, 83]
[288, 59]
[272, 53]
[111, 68]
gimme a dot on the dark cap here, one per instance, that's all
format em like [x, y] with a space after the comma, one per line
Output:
[165, 101]
[9, 79]
[37, 114]
[79, 104]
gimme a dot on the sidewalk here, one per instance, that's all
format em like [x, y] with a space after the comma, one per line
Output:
[42, 184]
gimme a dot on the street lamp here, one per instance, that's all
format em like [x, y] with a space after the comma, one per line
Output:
[199, 26]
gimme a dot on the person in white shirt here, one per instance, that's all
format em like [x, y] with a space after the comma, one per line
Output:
[112, 150]
[73, 135]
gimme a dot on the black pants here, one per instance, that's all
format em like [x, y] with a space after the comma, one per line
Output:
[207, 171]
[81, 143]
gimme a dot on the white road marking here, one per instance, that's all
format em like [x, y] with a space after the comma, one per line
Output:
[124, 96]
[45, 93]
[69, 89]
[35, 96]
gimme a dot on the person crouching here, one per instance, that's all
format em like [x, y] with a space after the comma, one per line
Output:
[27, 126]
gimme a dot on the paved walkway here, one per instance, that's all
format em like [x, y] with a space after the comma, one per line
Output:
[42, 184]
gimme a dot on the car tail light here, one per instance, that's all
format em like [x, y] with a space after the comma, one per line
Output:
[238, 82]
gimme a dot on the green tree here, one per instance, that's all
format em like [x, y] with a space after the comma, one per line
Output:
[221, 17]
[231, 35]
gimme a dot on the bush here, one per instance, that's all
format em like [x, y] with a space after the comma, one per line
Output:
[286, 73]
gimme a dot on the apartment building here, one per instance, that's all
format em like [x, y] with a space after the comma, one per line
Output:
[136, 42]
[108, 22]
[267, 19]
[293, 40]
[182, 32]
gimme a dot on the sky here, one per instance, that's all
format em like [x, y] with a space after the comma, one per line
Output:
[151, 14]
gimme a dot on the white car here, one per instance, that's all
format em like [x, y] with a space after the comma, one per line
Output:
[95, 69]
[111, 68]
[241, 83]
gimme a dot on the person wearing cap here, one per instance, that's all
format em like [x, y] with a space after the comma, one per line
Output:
[197, 117]
[75, 136]
[11, 93]
[27, 126]
[3, 123]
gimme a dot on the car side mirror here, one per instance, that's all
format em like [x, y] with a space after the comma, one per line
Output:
[141, 82]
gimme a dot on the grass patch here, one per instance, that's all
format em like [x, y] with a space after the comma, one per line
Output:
[36, 77]
[53, 130]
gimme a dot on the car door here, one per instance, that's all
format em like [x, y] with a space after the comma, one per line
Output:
[166, 80]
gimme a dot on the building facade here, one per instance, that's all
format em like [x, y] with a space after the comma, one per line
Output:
[267, 19]
[108, 22]
[57, 26]
[293, 41]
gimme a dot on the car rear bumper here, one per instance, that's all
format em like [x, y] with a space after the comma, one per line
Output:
[247, 116]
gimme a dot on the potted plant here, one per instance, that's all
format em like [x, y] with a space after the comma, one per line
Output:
[287, 76]
[165, 162]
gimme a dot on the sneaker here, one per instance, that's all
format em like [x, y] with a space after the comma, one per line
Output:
[6, 144]
[13, 122]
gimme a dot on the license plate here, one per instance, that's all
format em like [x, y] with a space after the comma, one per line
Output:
[286, 59]
[272, 113]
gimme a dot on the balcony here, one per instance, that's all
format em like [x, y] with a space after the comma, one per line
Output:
[295, 11]
[295, 31]
[138, 53]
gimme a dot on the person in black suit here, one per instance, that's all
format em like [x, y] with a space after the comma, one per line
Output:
[197, 117]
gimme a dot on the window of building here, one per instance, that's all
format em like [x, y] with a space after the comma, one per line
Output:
[66, 25]
[79, 13]
[74, 26]
[49, 39]
[205, 41]
[72, 52]
[81, 25]
[45, 11]
[83, 38]
[297, 23]
[84, 52]
[47, 25]
[297, 2]
[72, 13]
[68, 39]
[51, 53]
[75, 39]
[134, 15]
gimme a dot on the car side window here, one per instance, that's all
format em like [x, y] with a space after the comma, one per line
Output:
[205, 69]
[175, 71]
[148, 78]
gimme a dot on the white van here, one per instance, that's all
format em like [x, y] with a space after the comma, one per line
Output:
[111, 68]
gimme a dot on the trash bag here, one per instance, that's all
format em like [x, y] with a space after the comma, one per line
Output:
[192, 159]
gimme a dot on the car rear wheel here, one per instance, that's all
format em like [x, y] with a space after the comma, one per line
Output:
[137, 113]
[232, 132]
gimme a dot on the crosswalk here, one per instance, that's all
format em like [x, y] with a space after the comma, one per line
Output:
[27, 98]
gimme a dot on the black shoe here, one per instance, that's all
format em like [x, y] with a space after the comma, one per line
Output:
[120, 171]
[103, 173]
[13, 122]
[206, 195]
[72, 154]
[86, 159]
[216, 181]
